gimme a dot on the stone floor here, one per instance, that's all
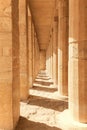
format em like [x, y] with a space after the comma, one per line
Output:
[41, 110]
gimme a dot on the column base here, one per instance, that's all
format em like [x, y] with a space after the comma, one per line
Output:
[62, 96]
[65, 122]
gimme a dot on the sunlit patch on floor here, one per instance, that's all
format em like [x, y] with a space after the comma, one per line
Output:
[43, 106]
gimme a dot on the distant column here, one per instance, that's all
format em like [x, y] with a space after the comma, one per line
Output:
[55, 47]
[48, 60]
[33, 48]
[51, 57]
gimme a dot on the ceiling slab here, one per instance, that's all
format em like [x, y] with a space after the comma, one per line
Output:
[42, 12]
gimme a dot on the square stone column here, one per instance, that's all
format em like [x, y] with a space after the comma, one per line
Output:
[77, 114]
[37, 57]
[33, 57]
[48, 60]
[63, 47]
[78, 60]
[23, 50]
[55, 49]
[30, 51]
[51, 56]
[9, 64]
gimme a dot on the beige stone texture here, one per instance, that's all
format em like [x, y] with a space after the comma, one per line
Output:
[49, 58]
[55, 49]
[42, 13]
[23, 50]
[47, 61]
[30, 52]
[9, 64]
[43, 50]
[42, 60]
[33, 49]
[36, 53]
[78, 60]
[63, 47]
[37, 57]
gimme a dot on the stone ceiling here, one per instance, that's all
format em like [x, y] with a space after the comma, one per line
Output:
[42, 12]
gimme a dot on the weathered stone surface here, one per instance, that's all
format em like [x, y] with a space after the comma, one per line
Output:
[78, 60]
[63, 47]
[49, 59]
[33, 46]
[23, 51]
[9, 65]
[30, 51]
[55, 49]
[37, 57]
[42, 60]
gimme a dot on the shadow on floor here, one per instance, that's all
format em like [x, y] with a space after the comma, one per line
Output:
[43, 83]
[43, 75]
[25, 124]
[54, 104]
[45, 89]
[43, 78]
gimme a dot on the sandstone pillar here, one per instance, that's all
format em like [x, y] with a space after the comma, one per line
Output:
[63, 48]
[23, 50]
[33, 49]
[30, 51]
[51, 56]
[35, 55]
[47, 61]
[49, 64]
[78, 60]
[9, 64]
[55, 57]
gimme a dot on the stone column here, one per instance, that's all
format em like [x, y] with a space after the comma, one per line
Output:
[51, 56]
[47, 61]
[30, 51]
[23, 51]
[37, 57]
[63, 48]
[33, 48]
[9, 64]
[55, 57]
[78, 60]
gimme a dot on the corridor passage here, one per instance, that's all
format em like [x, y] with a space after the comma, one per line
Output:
[41, 110]
[43, 64]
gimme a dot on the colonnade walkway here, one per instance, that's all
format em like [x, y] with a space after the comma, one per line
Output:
[44, 105]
